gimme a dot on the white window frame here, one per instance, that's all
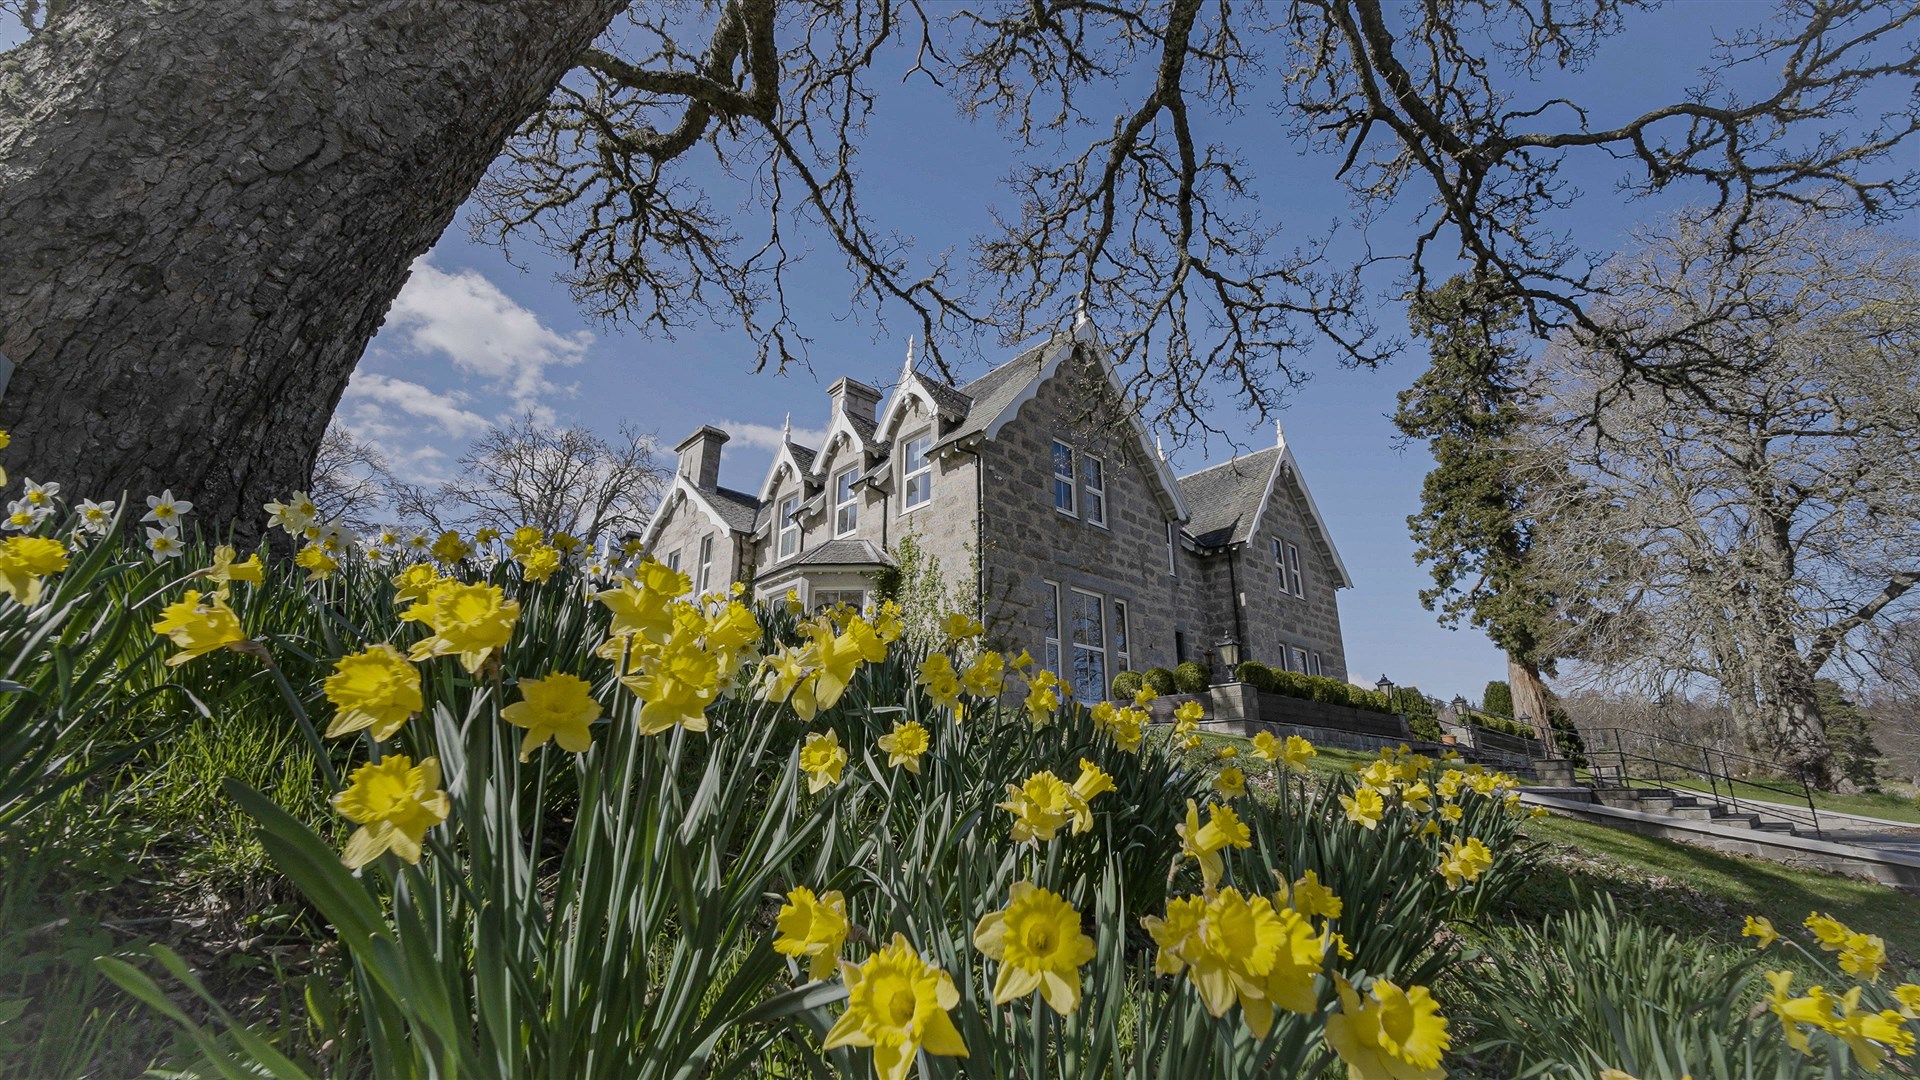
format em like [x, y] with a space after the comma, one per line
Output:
[1171, 571]
[1071, 478]
[826, 598]
[1097, 652]
[1093, 497]
[1299, 660]
[1313, 664]
[1122, 637]
[706, 563]
[787, 524]
[673, 560]
[846, 512]
[1293, 572]
[1051, 614]
[909, 475]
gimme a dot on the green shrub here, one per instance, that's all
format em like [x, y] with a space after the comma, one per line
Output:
[1323, 689]
[1424, 726]
[1192, 678]
[1497, 698]
[1255, 673]
[1161, 680]
[1126, 684]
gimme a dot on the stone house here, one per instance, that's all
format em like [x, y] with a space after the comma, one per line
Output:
[1049, 507]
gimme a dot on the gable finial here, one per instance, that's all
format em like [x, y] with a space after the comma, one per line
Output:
[786, 429]
[1159, 449]
[1080, 316]
[907, 368]
[1279, 434]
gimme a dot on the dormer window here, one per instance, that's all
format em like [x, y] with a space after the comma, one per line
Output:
[846, 503]
[916, 471]
[789, 525]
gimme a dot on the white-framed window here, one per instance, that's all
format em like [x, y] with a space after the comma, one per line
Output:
[916, 471]
[1064, 494]
[673, 560]
[1293, 572]
[826, 598]
[706, 564]
[1313, 664]
[1093, 490]
[1299, 663]
[1171, 570]
[788, 523]
[1280, 560]
[1122, 654]
[846, 502]
[1050, 614]
[1088, 619]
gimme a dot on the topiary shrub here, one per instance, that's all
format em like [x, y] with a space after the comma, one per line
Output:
[1161, 680]
[1290, 683]
[1192, 677]
[1259, 675]
[1323, 689]
[1126, 684]
[1424, 726]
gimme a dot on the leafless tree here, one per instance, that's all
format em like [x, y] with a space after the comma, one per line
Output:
[352, 481]
[559, 479]
[1744, 528]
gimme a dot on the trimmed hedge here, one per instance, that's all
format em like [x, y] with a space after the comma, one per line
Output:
[1312, 687]
[1126, 684]
[1191, 677]
[1161, 680]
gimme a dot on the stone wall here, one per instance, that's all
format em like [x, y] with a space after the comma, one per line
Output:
[1277, 620]
[681, 532]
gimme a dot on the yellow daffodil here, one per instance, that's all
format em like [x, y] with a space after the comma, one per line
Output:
[395, 802]
[1189, 712]
[1039, 944]
[25, 561]
[1204, 843]
[1813, 1009]
[940, 682]
[560, 707]
[1231, 783]
[449, 548]
[1364, 807]
[814, 927]
[904, 745]
[1761, 927]
[1241, 950]
[841, 656]
[565, 541]
[225, 569]
[1418, 797]
[1043, 697]
[1093, 780]
[1310, 898]
[1908, 995]
[1044, 803]
[316, 562]
[959, 628]
[1297, 753]
[1226, 752]
[468, 621]
[1380, 775]
[1390, 1034]
[675, 683]
[198, 628]
[985, 675]
[1144, 697]
[373, 689]
[1451, 812]
[788, 676]
[1869, 1035]
[539, 563]
[1864, 956]
[1129, 729]
[897, 1004]
[822, 758]
[1266, 747]
[1463, 863]
[415, 583]
[643, 604]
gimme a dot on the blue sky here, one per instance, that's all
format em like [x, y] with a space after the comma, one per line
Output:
[475, 338]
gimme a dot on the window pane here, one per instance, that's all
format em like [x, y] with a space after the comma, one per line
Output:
[1089, 674]
[1120, 626]
[1063, 477]
[1050, 609]
[1086, 621]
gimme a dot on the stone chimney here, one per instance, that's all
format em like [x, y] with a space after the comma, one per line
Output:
[700, 456]
[856, 398]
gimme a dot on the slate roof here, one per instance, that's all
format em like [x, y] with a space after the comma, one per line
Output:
[990, 394]
[1224, 499]
[843, 553]
[803, 456]
[946, 398]
[740, 509]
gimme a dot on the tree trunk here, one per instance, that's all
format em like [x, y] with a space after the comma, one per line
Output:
[206, 208]
[1530, 699]
[1795, 732]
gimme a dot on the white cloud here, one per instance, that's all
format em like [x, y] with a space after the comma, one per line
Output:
[767, 436]
[371, 400]
[483, 331]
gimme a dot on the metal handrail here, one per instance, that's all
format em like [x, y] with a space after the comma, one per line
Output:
[1802, 792]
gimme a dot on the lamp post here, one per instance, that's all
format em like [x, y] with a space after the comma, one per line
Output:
[1385, 685]
[1229, 649]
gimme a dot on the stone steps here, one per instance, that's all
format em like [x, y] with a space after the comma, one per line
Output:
[1670, 803]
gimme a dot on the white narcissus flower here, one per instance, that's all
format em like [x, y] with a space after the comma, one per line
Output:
[96, 517]
[165, 543]
[294, 515]
[40, 495]
[166, 509]
[23, 516]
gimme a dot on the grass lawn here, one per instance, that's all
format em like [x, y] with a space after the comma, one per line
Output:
[1693, 890]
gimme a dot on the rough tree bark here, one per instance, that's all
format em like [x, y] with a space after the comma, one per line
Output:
[1530, 698]
[206, 208]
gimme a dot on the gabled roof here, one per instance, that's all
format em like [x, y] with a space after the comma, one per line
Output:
[1230, 499]
[791, 455]
[1226, 498]
[843, 553]
[732, 510]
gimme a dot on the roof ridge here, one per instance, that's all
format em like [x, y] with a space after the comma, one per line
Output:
[1235, 460]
